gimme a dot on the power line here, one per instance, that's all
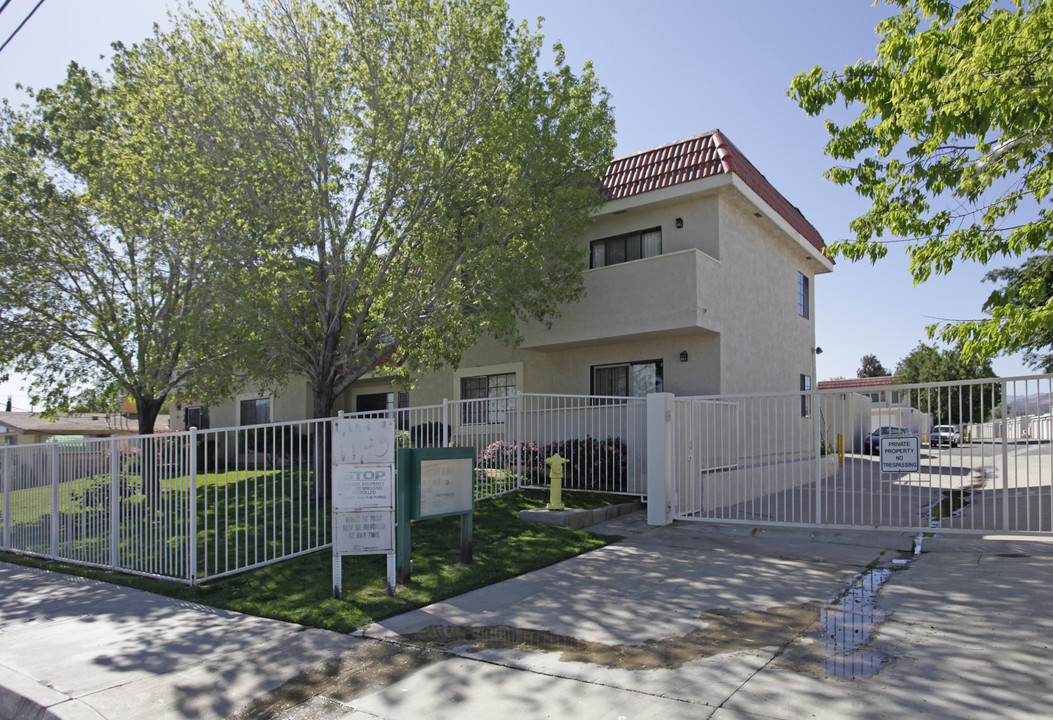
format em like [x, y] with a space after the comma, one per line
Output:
[12, 36]
[6, 3]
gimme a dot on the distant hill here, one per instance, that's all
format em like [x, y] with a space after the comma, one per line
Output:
[1037, 404]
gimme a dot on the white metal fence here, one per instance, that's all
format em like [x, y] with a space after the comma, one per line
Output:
[813, 459]
[603, 439]
[207, 503]
[122, 503]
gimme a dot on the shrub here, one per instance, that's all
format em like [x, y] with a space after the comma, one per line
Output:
[591, 463]
[430, 434]
[502, 455]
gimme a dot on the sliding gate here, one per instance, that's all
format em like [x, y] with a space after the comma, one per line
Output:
[984, 459]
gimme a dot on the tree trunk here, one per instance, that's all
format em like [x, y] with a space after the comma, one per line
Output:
[324, 399]
[148, 409]
[149, 469]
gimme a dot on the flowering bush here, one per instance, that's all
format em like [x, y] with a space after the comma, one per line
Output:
[591, 463]
[501, 455]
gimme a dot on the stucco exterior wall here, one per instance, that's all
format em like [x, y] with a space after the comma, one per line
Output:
[289, 403]
[766, 345]
[569, 371]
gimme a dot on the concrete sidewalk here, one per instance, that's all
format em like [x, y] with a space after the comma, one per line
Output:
[684, 621]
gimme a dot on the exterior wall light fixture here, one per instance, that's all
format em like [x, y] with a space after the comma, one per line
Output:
[683, 356]
[679, 223]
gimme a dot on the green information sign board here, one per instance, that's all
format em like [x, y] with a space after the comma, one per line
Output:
[432, 483]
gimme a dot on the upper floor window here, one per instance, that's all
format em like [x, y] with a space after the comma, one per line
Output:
[802, 295]
[623, 248]
[499, 390]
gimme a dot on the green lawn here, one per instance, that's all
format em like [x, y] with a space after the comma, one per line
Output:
[300, 590]
[258, 515]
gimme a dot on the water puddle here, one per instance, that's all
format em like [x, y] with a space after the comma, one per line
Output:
[950, 505]
[838, 646]
[724, 631]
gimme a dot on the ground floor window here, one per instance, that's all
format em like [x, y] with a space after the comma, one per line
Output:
[256, 411]
[374, 402]
[196, 416]
[498, 390]
[630, 379]
[806, 400]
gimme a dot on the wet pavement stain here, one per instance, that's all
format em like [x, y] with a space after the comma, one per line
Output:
[831, 641]
[724, 631]
[368, 666]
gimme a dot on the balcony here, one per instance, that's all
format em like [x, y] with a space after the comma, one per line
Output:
[663, 295]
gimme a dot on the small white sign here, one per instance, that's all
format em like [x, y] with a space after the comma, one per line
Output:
[363, 487]
[445, 486]
[363, 441]
[900, 454]
[363, 533]
[363, 480]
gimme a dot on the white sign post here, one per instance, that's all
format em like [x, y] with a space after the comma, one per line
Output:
[900, 454]
[363, 493]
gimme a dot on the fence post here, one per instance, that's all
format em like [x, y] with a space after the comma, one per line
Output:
[8, 482]
[817, 435]
[191, 555]
[445, 422]
[54, 500]
[659, 421]
[1005, 458]
[115, 506]
[517, 439]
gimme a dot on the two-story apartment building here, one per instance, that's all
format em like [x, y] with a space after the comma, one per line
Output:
[700, 282]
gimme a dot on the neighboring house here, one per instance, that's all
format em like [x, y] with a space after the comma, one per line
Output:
[866, 404]
[876, 389]
[700, 282]
[25, 428]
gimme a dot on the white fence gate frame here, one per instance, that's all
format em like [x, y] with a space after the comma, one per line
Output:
[805, 459]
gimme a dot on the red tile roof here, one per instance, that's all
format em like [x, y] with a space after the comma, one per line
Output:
[857, 383]
[694, 158]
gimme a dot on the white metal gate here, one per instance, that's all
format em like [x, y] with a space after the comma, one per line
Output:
[812, 459]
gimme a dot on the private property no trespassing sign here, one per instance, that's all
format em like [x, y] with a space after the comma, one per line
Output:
[900, 454]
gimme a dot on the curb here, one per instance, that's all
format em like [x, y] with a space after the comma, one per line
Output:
[577, 519]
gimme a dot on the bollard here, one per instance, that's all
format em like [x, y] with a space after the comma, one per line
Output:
[555, 465]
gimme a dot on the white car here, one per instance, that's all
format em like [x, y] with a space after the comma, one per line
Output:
[945, 435]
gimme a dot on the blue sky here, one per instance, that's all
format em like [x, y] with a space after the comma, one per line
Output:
[674, 69]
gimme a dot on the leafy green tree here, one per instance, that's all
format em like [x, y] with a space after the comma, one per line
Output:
[952, 402]
[870, 367]
[1029, 287]
[398, 178]
[953, 147]
[103, 282]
